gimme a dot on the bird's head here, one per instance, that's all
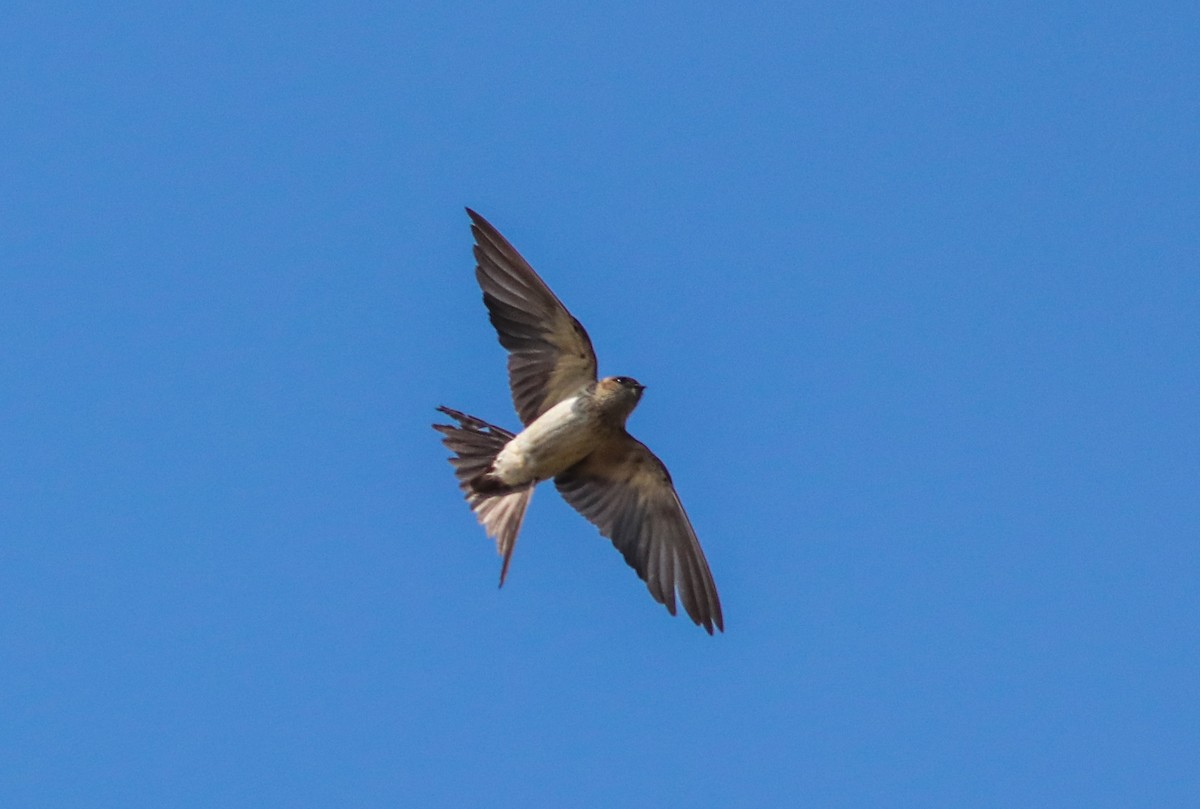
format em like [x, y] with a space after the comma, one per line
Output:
[619, 395]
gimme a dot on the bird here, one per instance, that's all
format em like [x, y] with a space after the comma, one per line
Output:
[574, 434]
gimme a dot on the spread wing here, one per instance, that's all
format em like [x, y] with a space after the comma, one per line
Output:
[550, 355]
[625, 490]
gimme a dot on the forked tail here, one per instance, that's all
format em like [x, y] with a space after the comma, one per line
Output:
[475, 444]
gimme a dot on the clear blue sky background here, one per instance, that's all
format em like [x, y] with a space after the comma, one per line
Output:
[914, 288]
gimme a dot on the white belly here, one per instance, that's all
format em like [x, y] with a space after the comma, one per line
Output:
[556, 440]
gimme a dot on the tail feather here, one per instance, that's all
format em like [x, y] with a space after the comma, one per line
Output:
[500, 511]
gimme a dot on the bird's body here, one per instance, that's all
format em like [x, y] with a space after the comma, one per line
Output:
[557, 440]
[574, 434]
[565, 434]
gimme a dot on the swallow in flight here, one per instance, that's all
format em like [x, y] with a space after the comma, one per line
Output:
[574, 434]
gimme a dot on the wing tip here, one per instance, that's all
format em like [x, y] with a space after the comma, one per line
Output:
[710, 622]
[479, 224]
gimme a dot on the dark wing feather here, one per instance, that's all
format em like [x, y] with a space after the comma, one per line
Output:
[625, 490]
[550, 354]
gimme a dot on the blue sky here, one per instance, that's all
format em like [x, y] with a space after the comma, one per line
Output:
[914, 290]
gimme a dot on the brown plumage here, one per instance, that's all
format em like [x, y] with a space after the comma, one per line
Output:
[574, 434]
